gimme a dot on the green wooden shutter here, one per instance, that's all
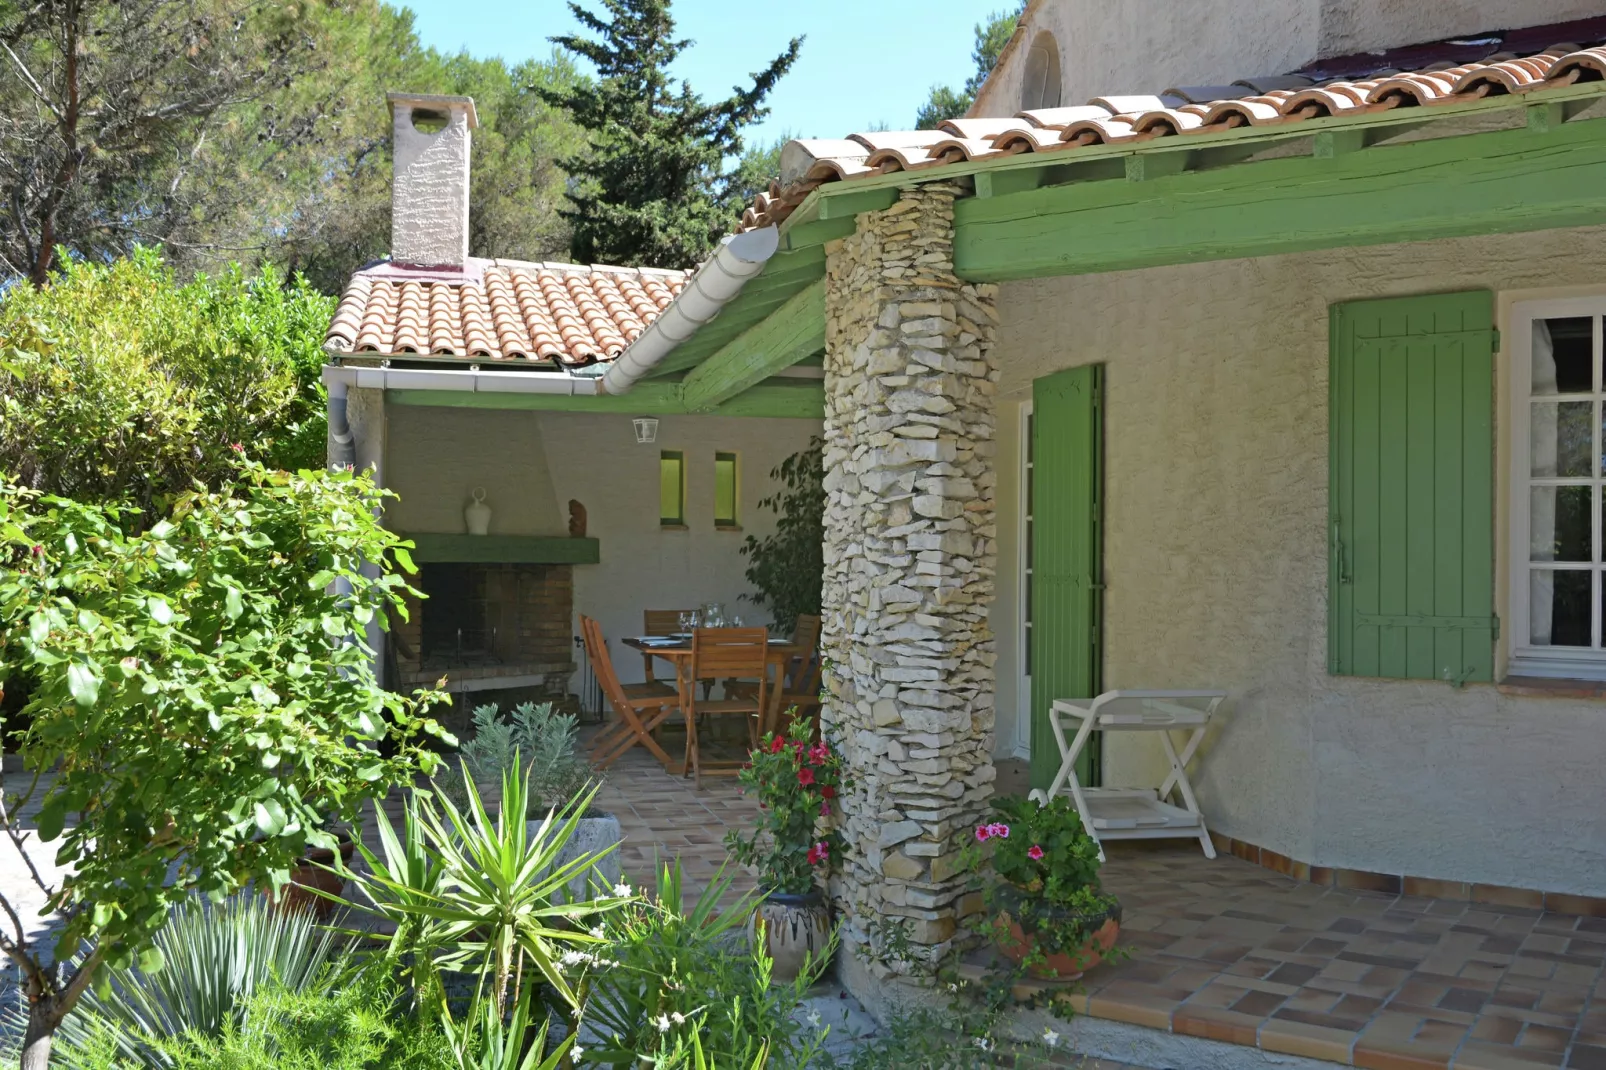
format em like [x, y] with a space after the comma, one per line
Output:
[1411, 524]
[1067, 558]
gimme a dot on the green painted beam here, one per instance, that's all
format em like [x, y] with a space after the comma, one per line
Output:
[786, 336]
[1498, 182]
[849, 205]
[800, 399]
[818, 232]
[505, 549]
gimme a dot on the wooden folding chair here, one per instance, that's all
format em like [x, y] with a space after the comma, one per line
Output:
[658, 622]
[718, 653]
[806, 638]
[641, 708]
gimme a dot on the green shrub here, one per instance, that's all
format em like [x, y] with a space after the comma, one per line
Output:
[119, 384]
[545, 740]
[215, 960]
[788, 567]
[667, 974]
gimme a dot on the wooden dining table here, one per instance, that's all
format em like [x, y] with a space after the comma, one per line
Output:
[676, 650]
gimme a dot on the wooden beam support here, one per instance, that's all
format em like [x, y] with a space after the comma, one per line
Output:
[818, 233]
[1001, 183]
[1499, 182]
[1150, 166]
[1543, 118]
[835, 205]
[782, 399]
[784, 337]
[505, 549]
[1331, 144]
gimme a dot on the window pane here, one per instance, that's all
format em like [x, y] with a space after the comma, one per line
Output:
[725, 488]
[1559, 524]
[1562, 438]
[1564, 356]
[1559, 608]
[670, 490]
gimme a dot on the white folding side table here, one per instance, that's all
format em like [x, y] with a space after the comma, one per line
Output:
[1135, 813]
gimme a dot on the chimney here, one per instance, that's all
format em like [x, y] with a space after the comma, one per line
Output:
[429, 195]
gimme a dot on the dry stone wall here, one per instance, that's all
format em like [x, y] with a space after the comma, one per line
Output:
[910, 559]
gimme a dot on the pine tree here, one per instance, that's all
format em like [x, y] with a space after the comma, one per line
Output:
[652, 189]
[991, 37]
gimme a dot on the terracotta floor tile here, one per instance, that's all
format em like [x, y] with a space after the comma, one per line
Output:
[1476, 1055]
[1406, 1042]
[1311, 1041]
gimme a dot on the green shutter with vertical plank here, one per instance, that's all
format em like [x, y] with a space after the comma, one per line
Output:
[1411, 520]
[1067, 556]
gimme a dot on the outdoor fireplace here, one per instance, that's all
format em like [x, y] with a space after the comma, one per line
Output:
[488, 627]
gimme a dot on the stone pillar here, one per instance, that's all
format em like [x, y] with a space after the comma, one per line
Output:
[909, 565]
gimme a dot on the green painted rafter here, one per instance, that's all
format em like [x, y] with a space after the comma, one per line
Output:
[802, 398]
[1487, 183]
[792, 332]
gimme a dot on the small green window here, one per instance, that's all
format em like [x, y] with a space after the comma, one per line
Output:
[672, 489]
[725, 483]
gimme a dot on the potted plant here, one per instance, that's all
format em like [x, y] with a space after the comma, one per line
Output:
[797, 783]
[543, 742]
[1049, 913]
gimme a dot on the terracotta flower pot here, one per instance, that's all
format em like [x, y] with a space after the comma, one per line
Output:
[309, 874]
[1015, 943]
[795, 927]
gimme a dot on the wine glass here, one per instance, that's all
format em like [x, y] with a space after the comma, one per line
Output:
[688, 620]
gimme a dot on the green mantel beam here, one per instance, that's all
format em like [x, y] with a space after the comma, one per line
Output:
[801, 399]
[504, 549]
[792, 332]
[1506, 181]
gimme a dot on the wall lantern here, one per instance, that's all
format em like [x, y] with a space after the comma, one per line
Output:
[646, 429]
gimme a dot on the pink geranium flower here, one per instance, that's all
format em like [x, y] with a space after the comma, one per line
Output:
[983, 832]
[999, 829]
[1034, 852]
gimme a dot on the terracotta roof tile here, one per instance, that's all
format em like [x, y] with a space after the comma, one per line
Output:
[502, 310]
[1437, 74]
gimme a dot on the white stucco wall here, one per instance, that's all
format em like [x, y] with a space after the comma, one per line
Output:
[532, 463]
[1216, 565]
[1147, 46]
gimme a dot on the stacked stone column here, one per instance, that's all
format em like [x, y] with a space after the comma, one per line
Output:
[909, 565]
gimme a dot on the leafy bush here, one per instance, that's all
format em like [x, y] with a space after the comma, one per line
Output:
[795, 784]
[546, 740]
[788, 567]
[353, 1026]
[200, 693]
[667, 975]
[214, 960]
[118, 384]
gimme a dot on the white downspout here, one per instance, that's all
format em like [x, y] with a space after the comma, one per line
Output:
[722, 276]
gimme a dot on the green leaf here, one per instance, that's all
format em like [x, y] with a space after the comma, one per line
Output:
[161, 530]
[370, 772]
[269, 815]
[52, 817]
[233, 605]
[83, 684]
[39, 628]
[161, 612]
[368, 726]
[151, 960]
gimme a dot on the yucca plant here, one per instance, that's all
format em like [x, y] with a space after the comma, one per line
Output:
[485, 1041]
[216, 958]
[481, 890]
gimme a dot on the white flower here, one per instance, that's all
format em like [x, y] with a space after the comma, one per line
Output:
[621, 889]
[576, 1051]
[1051, 1038]
[680, 1019]
[662, 1022]
[984, 1044]
[814, 1019]
[574, 958]
[597, 932]
[952, 987]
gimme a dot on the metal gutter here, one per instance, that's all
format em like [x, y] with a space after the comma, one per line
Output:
[721, 277]
[339, 378]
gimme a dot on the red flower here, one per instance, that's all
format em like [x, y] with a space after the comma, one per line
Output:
[1034, 852]
[999, 829]
[983, 832]
[828, 791]
[776, 744]
[236, 447]
[805, 776]
[818, 754]
[38, 551]
[825, 809]
[819, 853]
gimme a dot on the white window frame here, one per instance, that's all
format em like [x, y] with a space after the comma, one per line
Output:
[1023, 703]
[1526, 659]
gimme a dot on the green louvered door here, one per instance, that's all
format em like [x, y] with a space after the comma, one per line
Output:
[1411, 525]
[1067, 571]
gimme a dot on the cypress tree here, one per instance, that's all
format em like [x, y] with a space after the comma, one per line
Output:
[652, 189]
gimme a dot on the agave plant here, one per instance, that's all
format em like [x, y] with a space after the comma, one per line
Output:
[473, 894]
[216, 957]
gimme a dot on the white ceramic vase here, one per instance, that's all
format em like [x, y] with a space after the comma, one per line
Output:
[477, 515]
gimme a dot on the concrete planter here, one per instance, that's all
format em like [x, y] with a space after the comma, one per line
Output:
[592, 834]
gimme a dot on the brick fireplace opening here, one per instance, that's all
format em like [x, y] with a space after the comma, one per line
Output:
[488, 627]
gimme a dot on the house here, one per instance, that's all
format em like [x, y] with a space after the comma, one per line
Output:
[1291, 387]
[451, 375]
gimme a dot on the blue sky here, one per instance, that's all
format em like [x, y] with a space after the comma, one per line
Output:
[864, 61]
